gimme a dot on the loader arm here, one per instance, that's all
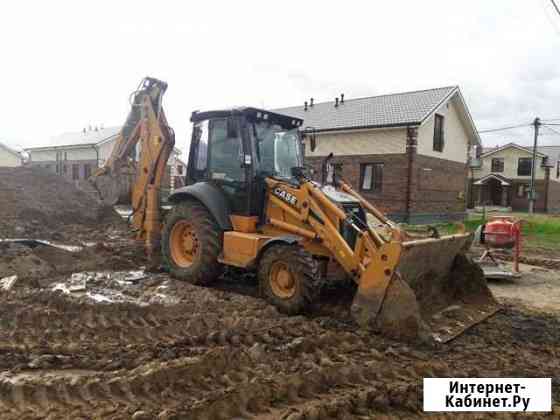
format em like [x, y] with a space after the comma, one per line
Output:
[146, 130]
[403, 282]
[323, 218]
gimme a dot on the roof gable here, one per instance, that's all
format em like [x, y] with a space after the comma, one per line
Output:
[511, 146]
[503, 180]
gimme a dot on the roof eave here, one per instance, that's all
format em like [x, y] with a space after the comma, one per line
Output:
[67, 146]
[507, 146]
[365, 127]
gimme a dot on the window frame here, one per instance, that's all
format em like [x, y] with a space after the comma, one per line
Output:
[438, 143]
[501, 168]
[376, 186]
[519, 166]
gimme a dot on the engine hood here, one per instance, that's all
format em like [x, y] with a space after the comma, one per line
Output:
[338, 196]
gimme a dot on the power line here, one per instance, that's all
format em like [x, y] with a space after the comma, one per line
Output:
[552, 129]
[549, 18]
[555, 6]
[491, 130]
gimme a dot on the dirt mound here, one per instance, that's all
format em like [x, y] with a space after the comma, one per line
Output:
[37, 203]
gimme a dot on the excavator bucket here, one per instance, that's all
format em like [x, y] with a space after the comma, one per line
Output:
[435, 293]
[113, 189]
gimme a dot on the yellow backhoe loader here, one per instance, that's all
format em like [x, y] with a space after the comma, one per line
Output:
[250, 203]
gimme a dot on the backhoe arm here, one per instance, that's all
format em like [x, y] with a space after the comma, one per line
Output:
[146, 130]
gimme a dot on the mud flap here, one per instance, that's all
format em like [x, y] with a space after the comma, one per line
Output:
[435, 293]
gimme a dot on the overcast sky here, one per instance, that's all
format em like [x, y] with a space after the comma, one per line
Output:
[66, 65]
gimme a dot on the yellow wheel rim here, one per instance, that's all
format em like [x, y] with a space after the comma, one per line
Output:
[282, 281]
[184, 244]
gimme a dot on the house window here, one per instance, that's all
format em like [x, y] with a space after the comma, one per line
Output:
[524, 167]
[498, 165]
[87, 171]
[522, 190]
[438, 133]
[371, 177]
[180, 169]
[65, 169]
[75, 171]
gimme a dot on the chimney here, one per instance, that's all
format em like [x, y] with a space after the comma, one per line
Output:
[311, 102]
[305, 106]
[336, 102]
[342, 98]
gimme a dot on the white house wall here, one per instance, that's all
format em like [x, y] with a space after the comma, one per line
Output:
[456, 146]
[105, 150]
[71, 154]
[367, 142]
[510, 156]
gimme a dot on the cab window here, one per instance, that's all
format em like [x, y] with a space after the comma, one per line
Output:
[225, 154]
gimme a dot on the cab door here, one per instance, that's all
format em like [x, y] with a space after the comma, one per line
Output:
[219, 158]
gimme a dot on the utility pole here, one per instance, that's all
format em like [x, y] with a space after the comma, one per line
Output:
[532, 195]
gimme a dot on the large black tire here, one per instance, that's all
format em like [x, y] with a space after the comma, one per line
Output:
[208, 238]
[305, 278]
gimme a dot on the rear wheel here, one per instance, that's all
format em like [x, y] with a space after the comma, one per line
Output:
[289, 278]
[191, 243]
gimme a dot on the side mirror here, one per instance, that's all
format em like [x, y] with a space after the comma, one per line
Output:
[232, 131]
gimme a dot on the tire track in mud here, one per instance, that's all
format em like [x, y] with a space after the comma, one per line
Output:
[221, 384]
[235, 357]
[61, 322]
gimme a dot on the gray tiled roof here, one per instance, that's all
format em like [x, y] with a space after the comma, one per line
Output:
[375, 111]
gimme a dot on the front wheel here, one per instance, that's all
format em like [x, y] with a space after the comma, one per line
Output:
[289, 278]
[191, 243]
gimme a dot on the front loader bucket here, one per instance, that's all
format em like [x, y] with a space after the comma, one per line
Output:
[435, 293]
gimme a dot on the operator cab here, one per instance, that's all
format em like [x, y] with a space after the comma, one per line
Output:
[237, 149]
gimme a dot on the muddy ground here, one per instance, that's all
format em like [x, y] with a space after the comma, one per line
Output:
[118, 344]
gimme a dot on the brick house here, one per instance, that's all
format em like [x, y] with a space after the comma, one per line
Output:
[408, 152]
[502, 176]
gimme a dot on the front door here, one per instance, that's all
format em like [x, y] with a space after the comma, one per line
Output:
[495, 192]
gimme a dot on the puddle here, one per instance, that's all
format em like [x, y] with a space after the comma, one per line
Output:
[7, 282]
[32, 243]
